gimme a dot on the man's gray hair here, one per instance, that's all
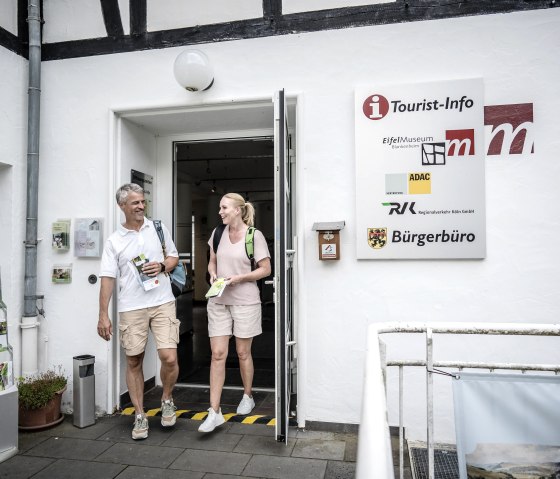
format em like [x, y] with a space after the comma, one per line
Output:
[124, 190]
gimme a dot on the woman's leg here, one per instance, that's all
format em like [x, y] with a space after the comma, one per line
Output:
[246, 368]
[219, 346]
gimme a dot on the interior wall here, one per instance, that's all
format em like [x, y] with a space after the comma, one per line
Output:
[516, 282]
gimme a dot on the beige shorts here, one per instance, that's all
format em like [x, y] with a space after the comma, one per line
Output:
[134, 326]
[243, 321]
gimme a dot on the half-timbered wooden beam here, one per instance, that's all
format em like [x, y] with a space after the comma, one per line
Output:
[112, 18]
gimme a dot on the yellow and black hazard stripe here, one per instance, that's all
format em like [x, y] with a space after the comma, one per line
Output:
[201, 415]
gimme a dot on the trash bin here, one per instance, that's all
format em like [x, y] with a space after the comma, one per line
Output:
[84, 390]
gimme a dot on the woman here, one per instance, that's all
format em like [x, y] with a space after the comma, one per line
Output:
[237, 311]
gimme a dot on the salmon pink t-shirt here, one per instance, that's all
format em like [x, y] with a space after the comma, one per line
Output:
[232, 260]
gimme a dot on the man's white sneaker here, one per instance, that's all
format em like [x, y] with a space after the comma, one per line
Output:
[168, 416]
[246, 405]
[213, 420]
[140, 430]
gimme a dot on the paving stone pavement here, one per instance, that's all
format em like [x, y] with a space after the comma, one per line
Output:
[105, 450]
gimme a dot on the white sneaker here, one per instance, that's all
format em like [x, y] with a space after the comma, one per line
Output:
[141, 426]
[168, 416]
[213, 420]
[246, 405]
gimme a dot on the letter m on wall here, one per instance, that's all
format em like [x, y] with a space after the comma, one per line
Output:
[509, 129]
[460, 142]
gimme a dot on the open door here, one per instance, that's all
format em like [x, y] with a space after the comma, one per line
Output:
[283, 270]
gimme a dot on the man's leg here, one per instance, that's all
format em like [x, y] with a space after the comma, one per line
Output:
[135, 381]
[169, 371]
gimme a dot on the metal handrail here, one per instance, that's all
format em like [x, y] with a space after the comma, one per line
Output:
[429, 329]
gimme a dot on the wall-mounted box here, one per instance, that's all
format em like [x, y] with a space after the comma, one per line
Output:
[329, 239]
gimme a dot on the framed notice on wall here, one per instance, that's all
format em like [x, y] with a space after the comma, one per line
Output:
[420, 183]
[146, 182]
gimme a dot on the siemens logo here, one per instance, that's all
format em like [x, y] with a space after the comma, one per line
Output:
[420, 239]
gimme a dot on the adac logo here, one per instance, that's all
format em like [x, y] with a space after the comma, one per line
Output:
[399, 208]
[377, 237]
[375, 107]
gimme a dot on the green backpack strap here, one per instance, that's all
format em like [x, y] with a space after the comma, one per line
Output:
[250, 245]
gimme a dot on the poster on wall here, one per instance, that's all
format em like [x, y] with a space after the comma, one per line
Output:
[420, 182]
[88, 236]
[146, 182]
[507, 425]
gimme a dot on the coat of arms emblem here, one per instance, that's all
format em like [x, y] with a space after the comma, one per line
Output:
[377, 237]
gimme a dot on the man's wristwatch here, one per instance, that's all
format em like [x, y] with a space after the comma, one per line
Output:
[162, 267]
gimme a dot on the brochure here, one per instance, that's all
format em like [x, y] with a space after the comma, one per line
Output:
[217, 288]
[146, 281]
[61, 235]
[6, 375]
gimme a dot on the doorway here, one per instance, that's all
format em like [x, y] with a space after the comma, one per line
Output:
[205, 170]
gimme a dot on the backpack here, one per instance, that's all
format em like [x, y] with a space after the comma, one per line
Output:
[249, 242]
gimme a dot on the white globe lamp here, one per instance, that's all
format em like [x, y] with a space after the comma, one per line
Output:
[193, 70]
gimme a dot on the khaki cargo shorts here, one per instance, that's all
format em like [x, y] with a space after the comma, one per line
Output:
[134, 326]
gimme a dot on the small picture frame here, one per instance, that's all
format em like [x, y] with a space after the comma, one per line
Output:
[88, 237]
[62, 274]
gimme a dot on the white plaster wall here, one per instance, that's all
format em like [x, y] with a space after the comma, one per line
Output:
[72, 20]
[516, 56]
[295, 6]
[168, 14]
[8, 15]
[13, 150]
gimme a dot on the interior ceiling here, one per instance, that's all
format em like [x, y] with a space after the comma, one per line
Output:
[244, 166]
[243, 162]
[210, 119]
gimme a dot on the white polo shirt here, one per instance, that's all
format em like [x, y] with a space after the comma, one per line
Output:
[124, 245]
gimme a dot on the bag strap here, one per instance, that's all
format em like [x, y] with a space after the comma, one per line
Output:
[159, 231]
[250, 246]
[249, 242]
[218, 232]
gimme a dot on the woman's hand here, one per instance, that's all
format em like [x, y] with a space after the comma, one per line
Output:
[233, 280]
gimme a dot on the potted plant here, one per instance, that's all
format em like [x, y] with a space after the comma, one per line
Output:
[40, 398]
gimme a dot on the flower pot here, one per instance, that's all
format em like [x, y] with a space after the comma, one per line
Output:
[42, 418]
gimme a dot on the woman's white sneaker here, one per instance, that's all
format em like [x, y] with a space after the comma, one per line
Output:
[246, 405]
[213, 420]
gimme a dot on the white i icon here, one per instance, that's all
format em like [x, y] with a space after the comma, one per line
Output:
[375, 113]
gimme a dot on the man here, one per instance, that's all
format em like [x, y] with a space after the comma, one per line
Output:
[142, 305]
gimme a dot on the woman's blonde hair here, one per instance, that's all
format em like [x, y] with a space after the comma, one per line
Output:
[247, 209]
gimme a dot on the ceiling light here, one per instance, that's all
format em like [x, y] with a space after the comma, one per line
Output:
[193, 70]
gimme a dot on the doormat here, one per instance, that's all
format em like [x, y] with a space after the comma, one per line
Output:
[446, 464]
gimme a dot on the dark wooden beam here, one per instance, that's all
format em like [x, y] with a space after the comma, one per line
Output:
[22, 31]
[272, 9]
[112, 18]
[348, 17]
[11, 42]
[138, 17]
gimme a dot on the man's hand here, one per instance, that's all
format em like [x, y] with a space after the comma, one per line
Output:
[153, 268]
[104, 327]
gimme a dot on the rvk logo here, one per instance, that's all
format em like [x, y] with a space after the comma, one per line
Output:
[400, 209]
[375, 107]
[510, 129]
